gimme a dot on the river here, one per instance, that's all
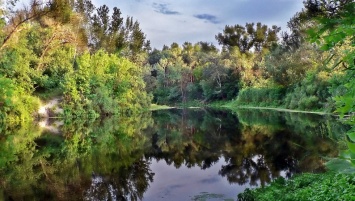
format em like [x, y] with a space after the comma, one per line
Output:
[194, 154]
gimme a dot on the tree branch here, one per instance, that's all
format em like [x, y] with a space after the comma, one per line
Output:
[35, 15]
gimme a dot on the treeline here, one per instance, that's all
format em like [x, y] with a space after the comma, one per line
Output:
[73, 50]
[255, 66]
[101, 63]
[312, 67]
[201, 72]
[333, 34]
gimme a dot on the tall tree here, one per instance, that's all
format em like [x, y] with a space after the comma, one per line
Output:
[248, 36]
[114, 33]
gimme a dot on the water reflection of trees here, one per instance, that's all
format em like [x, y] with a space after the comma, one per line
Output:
[189, 138]
[261, 158]
[257, 146]
[109, 159]
[88, 161]
[129, 183]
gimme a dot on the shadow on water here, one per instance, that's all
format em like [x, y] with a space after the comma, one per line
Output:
[117, 158]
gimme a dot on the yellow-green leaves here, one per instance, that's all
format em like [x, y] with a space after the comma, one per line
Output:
[104, 84]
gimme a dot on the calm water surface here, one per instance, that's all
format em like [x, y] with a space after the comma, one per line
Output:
[163, 155]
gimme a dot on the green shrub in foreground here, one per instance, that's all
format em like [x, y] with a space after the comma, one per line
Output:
[323, 187]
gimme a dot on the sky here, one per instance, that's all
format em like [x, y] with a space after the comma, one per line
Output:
[168, 21]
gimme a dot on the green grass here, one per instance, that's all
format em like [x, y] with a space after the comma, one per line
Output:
[159, 107]
[233, 105]
[285, 110]
[318, 187]
[192, 103]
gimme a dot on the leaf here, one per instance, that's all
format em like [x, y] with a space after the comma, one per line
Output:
[351, 136]
[351, 147]
[347, 154]
[313, 34]
[325, 47]
[340, 165]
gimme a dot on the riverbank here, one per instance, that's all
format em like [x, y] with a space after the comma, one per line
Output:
[308, 186]
[159, 107]
[232, 105]
[278, 109]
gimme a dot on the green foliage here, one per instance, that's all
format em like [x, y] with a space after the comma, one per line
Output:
[261, 96]
[15, 64]
[313, 93]
[6, 93]
[245, 38]
[114, 33]
[195, 72]
[16, 104]
[104, 84]
[327, 186]
[345, 162]
[118, 149]
[290, 67]
[35, 163]
[43, 50]
[335, 31]
[307, 84]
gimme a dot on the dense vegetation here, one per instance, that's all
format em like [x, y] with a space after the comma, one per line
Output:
[255, 67]
[101, 63]
[317, 187]
[88, 160]
[74, 51]
[335, 29]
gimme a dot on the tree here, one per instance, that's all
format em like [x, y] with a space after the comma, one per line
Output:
[248, 37]
[306, 19]
[7, 89]
[16, 20]
[114, 33]
[335, 31]
[286, 68]
[104, 84]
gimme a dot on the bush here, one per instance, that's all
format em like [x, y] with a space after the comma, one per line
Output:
[261, 96]
[326, 186]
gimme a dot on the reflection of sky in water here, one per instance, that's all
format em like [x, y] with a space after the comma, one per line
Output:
[104, 165]
[185, 183]
[98, 187]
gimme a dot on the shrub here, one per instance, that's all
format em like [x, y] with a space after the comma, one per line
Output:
[326, 186]
[261, 96]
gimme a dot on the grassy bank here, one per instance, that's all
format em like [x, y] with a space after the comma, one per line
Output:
[283, 110]
[233, 105]
[159, 107]
[322, 187]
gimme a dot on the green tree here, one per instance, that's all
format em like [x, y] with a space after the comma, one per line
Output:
[104, 84]
[338, 30]
[286, 68]
[248, 37]
[114, 33]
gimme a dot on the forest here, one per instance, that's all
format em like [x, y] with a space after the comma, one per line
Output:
[100, 63]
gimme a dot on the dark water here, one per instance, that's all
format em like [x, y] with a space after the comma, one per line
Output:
[163, 155]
